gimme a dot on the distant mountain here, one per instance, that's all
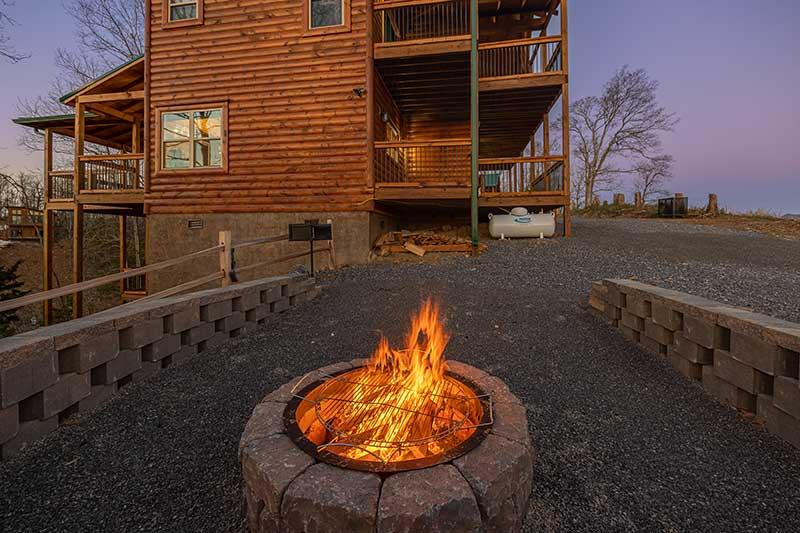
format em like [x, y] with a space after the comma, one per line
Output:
[792, 217]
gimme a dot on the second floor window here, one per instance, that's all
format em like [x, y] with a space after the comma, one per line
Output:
[325, 13]
[191, 139]
[183, 10]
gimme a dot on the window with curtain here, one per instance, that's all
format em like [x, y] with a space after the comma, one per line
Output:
[183, 10]
[324, 13]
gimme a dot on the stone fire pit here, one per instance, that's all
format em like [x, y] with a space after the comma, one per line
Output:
[486, 489]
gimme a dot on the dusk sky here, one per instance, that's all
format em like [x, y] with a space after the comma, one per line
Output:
[728, 68]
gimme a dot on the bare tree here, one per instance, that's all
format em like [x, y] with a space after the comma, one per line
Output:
[108, 32]
[7, 51]
[652, 174]
[624, 122]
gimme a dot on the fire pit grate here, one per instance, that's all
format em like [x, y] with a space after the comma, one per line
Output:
[447, 420]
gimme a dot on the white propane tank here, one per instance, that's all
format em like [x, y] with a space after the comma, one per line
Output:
[521, 224]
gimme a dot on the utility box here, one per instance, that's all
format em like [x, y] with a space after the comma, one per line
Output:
[676, 206]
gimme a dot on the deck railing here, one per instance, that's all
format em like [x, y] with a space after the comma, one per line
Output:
[522, 175]
[412, 20]
[537, 55]
[442, 162]
[60, 185]
[112, 172]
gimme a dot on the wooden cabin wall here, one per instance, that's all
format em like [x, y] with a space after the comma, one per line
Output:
[296, 128]
[385, 103]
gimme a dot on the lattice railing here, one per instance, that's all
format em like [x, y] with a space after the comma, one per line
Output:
[112, 173]
[445, 162]
[522, 56]
[411, 20]
[522, 175]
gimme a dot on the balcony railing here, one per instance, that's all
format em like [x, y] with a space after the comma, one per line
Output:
[532, 175]
[414, 20]
[120, 172]
[61, 185]
[438, 163]
[537, 55]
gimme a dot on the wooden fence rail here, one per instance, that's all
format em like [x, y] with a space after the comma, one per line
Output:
[227, 272]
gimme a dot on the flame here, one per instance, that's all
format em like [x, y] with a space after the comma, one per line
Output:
[422, 361]
[401, 396]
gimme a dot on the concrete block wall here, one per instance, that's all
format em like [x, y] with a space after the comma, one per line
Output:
[746, 360]
[51, 373]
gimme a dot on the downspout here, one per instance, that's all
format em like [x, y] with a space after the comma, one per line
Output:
[473, 113]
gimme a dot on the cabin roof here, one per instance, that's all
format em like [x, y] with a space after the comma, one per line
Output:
[99, 129]
[125, 77]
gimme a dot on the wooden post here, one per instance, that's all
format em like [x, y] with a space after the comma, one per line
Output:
[47, 271]
[225, 257]
[77, 213]
[712, 208]
[565, 147]
[474, 117]
[370, 97]
[546, 148]
[47, 238]
[123, 250]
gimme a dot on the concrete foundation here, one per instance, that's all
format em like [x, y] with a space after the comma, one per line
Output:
[171, 236]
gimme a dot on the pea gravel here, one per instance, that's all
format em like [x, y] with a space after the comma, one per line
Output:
[624, 442]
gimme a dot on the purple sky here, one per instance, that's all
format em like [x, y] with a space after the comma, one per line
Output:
[728, 68]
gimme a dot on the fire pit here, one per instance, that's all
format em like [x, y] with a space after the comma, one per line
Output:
[404, 440]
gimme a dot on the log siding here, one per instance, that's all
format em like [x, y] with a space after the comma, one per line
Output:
[296, 126]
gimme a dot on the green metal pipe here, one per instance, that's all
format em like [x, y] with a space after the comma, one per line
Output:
[474, 122]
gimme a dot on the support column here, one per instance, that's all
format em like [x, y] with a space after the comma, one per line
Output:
[47, 237]
[474, 118]
[123, 250]
[77, 213]
[546, 148]
[565, 150]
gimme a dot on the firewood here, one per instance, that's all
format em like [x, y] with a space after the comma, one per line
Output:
[414, 249]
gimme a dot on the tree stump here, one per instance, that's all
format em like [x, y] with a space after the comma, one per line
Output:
[638, 201]
[712, 208]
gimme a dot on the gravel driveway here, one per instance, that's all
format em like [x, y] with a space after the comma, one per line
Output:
[623, 441]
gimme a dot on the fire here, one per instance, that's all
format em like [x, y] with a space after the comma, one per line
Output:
[401, 406]
[422, 362]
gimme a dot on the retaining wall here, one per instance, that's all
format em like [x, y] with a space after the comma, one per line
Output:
[746, 360]
[51, 373]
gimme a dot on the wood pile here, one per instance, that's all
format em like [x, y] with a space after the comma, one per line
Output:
[420, 243]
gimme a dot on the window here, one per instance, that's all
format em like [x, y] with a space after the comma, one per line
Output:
[326, 13]
[326, 16]
[183, 10]
[192, 139]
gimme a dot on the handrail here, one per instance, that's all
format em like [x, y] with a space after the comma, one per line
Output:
[390, 4]
[103, 280]
[280, 259]
[519, 42]
[263, 240]
[111, 157]
[422, 144]
[506, 160]
[183, 287]
[61, 173]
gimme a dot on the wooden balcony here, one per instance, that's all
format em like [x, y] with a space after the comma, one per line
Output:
[112, 179]
[407, 28]
[440, 170]
[521, 63]
[412, 170]
[60, 186]
[521, 181]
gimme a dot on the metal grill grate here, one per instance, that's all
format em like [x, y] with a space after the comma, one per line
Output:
[345, 405]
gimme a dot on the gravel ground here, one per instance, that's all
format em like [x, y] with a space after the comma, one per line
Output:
[624, 443]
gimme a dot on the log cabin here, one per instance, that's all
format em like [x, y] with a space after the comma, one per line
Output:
[248, 115]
